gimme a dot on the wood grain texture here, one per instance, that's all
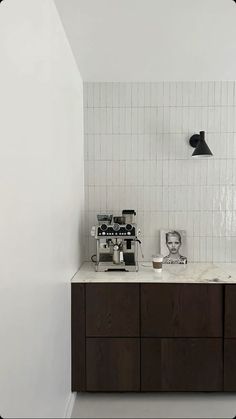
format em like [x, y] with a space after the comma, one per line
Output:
[230, 311]
[181, 310]
[112, 310]
[78, 337]
[113, 364]
[181, 364]
[230, 365]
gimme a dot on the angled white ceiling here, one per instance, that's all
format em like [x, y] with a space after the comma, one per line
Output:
[151, 40]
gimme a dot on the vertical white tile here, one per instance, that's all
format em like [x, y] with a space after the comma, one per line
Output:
[166, 94]
[109, 94]
[224, 94]
[160, 120]
[202, 249]
[122, 120]
[228, 223]
[160, 93]
[103, 95]
[109, 121]
[116, 121]
[86, 147]
[211, 93]
[209, 249]
[96, 121]
[231, 119]
[166, 120]
[153, 147]
[141, 94]
[205, 93]
[196, 249]
[131, 173]
[90, 95]
[125, 94]
[153, 94]
[228, 249]
[100, 173]
[128, 121]
[85, 95]
[115, 95]
[134, 120]
[180, 93]
[147, 120]
[102, 123]
[147, 94]
[141, 126]
[217, 93]
[134, 147]
[96, 143]
[173, 94]
[96, 94]
[134, 95]
[198, 94]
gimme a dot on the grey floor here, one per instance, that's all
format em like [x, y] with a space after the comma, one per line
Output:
[192, 405]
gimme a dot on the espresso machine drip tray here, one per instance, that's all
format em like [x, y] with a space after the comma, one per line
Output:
[109, 266]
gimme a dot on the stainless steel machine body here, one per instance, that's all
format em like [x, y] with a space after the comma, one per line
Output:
[117, 247]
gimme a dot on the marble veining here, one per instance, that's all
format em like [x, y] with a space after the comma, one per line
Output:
[207, 273]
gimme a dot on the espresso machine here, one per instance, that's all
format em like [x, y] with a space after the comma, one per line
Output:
[116, 242]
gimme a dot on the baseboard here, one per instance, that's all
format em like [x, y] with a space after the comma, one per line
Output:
[70, 405]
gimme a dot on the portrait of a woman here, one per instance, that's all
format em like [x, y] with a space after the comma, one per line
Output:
[173, 243]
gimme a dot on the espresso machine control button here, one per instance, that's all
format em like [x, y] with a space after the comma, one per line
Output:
[129, 227]
[103, 227]
[116, 227]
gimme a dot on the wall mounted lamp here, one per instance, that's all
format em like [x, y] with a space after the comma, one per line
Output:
[198, 142]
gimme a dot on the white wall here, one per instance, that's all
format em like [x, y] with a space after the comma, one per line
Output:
[152, 40]
[137, 156]
[41, 211]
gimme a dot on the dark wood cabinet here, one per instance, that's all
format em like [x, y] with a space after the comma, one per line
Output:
[113, 364]
[230, 311]
[112, 310]
[181, 364]
[153, 337]
[181, 310]
[78, 348]
[230, 365]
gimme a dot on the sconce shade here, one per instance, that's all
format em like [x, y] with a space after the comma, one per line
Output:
[198, 142]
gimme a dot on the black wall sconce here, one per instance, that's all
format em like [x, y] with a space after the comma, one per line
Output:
[198, 142]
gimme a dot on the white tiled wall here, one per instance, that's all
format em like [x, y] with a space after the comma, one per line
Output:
[137, 156]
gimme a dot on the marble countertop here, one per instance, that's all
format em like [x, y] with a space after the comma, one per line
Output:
[206, 273]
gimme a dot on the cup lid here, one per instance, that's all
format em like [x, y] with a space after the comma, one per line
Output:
[157, 258]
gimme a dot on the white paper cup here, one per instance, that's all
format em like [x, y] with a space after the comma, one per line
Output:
[157, 263]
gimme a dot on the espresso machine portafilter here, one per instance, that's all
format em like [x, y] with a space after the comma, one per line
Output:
[116, 243]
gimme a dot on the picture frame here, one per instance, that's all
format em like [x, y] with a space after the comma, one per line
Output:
[173, 245]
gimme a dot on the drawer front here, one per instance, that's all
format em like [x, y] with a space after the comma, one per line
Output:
[181, 364]
[230, 311]
[113, 364]
[112, 310]
[230, 364]
[181, 310]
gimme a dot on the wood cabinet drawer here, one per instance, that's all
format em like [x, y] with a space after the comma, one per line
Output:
[113, 364]
[112, 310]
[230, 364]
[230, 311]
[181, 310]
[181, 364]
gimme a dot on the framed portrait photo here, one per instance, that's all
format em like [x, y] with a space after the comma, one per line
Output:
[174, 246]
